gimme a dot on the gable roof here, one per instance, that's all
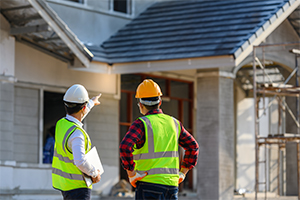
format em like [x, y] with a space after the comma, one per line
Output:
[193, 29]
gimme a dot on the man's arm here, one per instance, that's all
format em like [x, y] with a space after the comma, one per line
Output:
[191, 147]
[92, 102]
[77, 144]
[135, 135]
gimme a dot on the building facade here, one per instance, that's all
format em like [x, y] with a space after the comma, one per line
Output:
[202, 62]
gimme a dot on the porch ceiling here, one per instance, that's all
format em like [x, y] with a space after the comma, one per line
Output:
[34, 23]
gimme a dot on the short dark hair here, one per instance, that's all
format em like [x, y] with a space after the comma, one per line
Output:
[152, 107]
[72, 108]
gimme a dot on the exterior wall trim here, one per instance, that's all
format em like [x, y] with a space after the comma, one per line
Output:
[169, 65]
[9, 79]
[216, 74]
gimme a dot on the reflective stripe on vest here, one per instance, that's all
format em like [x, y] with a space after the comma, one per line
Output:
[78, 177]
[151, 154]
[160, 171]
[66, 136]
[61, 158]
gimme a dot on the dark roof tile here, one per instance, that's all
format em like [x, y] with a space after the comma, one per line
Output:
[189, 29]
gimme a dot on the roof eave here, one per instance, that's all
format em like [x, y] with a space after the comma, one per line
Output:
[176, 64]
[94, 67]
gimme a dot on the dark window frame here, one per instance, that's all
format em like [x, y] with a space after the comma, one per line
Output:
[122, 6]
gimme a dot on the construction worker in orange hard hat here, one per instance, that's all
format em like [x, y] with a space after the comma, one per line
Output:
[149, 150]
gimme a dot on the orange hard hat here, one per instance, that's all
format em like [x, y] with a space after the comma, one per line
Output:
[148, 89]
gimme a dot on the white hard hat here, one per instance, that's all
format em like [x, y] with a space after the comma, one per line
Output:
[76, 94]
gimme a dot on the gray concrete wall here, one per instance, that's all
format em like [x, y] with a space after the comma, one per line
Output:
[6, 121]
[7, 70]
[274, 128]
[94, 27]
[103, 128]
[291, 152]
[208, 137]
[97, 21]
[290, 183]
[26, 125]
[285, 33]
[226, 138]
[7, 49]
[215, 134]
[102, 125]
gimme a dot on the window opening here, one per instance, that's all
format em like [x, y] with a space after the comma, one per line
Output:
[122, 6]
[53, 111]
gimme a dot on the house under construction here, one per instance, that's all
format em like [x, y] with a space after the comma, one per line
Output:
[228, 71]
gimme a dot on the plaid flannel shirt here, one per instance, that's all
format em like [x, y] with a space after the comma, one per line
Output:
[136, 135]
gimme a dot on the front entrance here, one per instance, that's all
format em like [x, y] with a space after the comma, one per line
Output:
[177, 101]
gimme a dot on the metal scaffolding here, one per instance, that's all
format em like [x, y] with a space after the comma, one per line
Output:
[266, 87]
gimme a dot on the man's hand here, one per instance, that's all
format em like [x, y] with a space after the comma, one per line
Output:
[181, 177]
[134, 177]
[182, 174]
[96, 99]
[97, 178]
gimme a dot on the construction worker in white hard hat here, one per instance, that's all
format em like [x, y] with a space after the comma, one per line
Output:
[71, 144]
[149, 150]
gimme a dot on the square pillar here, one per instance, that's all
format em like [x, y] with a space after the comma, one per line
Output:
[215, 135]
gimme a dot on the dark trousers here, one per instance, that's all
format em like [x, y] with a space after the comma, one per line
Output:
[155, 191]
[77, 194]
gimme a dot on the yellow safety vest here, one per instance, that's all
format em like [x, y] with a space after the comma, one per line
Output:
[65, 175]
[159, 155]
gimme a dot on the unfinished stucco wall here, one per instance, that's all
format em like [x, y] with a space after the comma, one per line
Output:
[245, 141]
[7, 70]
[215, 134]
